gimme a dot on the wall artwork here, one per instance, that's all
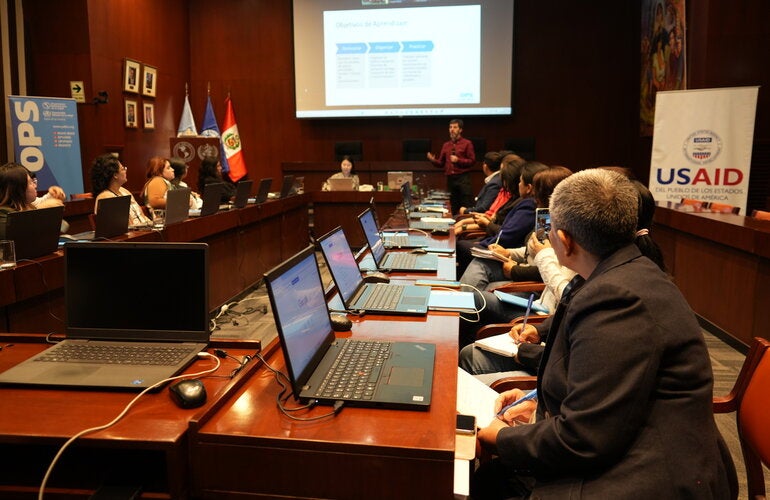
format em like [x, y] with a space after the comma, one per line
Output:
[149, 80]
[131, 74]
[131, 113]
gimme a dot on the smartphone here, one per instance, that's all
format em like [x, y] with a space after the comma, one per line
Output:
[542, 223]
[466, 424]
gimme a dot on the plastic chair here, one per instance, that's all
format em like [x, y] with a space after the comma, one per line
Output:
[760, 215]
[750, 400]
[722, 208]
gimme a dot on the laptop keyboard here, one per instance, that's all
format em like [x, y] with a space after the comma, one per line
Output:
[355, 372]
[383, 297]
[397, 240]
[117, 354]
[401, 260]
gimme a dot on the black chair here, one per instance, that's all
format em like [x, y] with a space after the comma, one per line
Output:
[415, 149]
[522, 146]
[353, 149]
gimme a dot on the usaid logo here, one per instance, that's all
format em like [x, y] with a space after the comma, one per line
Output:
[702, 146]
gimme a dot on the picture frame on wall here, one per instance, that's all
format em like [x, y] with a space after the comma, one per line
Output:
[131, 107]
[149, 80]
[131, 75]
[149, 115]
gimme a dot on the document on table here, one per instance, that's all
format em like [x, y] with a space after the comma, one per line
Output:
[475, 398]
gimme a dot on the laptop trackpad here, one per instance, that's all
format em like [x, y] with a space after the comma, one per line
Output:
[410, 377]
[73, 372]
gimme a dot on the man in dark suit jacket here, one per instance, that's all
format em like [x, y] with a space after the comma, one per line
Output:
[625, 383]
[492, 184]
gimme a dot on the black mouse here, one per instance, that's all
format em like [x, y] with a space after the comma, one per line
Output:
[419, 250]
[440, 232]
[341, 323]
[376, 277]
[188, 393]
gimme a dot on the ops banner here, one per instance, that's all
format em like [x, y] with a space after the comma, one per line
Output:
[46, 140]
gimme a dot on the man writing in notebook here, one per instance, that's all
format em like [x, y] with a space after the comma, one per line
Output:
[625, 382]
[457, 159]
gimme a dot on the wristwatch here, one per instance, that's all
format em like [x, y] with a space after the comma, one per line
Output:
[465, 226]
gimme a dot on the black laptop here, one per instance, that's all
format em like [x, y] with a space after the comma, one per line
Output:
[394, 239]
[393, 261]
[35, 232]
[177, 205]
[396, 375]
[110, 220]
[263, 191]
[287, 186]
[383, 298]
[212, 196]
[242, 191]
[143, 342]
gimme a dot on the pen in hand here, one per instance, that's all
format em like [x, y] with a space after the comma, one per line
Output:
[526, 313]
[527, 397]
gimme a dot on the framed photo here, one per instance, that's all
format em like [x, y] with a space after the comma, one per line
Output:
[149, 80]
[132, 112]
[149, 115]
[131, 75]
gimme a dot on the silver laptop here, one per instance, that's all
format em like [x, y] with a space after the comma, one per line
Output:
[116, 338]
[177, 205]
[383, 298]
[396, 375]
[344, 184]
[397, 179]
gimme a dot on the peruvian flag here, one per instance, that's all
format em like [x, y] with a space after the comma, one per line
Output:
[231, 143]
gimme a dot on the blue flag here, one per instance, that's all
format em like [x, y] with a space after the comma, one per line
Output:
[211, 129]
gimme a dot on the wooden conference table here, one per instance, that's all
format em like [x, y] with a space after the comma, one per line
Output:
[238, 443]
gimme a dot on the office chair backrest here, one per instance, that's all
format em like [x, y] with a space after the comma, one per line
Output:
[750, 398]
[723, 208]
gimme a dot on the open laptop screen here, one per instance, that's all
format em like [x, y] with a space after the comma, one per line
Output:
[406, 194]
[300, 312]
[369, 226]
[119, 291]
[342, 263]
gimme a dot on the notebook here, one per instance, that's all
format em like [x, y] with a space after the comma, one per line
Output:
[264, 189]
[357, 295]
[35, 232]
[403, 379]
[345, 184]
[242, 191]
[393, 261]
[177, 205]
[212, 196]
[105, 310]
[393, 239]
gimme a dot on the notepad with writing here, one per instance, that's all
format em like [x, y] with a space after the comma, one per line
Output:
[485, 253]
[520, 301]
[500, 344]
[448, 300]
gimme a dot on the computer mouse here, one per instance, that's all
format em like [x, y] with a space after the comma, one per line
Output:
[188, 393]
[341, 323]
[376, 277]
[440, 232]
[419, 250]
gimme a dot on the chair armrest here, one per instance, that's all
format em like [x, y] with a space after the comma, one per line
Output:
[470, 235]
[508, 383]
[521, 286]
[493, 329]
[724, 404]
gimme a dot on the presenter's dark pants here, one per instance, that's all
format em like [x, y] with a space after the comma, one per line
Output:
[460, 194]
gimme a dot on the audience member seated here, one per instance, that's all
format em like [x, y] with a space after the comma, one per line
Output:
[159, 175]
[180, 172]
[518, 221]
[492, 184]
[55, 195]
[211, 173]
[107, 178]
[519, 264]
[625, 385]
[347, 171]
[17, 192]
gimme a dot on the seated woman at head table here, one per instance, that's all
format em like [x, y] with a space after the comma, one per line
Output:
[211, 173]
[180, 172]
[107, 178]
[159, 175]
[347, 171]
[17, 192]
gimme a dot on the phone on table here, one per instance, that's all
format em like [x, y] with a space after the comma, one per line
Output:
[466, 424]
[542, 223]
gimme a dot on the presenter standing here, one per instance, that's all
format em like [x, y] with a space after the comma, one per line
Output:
[457, 159]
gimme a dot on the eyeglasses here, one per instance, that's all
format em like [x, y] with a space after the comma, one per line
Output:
[34, 180]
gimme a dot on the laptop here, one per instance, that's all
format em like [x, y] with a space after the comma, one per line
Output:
[286, 187]
[401, 377]
[262, 192]
[110, 220]
[397, 179]
[344, 184]
[392, 239]
[94, 320]
[242, 192]
[415, 212]
[358, 295]
[35, 232]
[212, 197]
[177, 205]
[393, 261]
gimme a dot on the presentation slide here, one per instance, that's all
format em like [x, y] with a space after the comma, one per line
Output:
[365, 58]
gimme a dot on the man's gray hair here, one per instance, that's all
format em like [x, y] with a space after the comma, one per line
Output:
[598, 208]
